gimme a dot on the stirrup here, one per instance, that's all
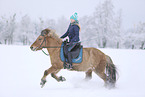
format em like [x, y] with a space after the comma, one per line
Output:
[64, 65]
[68, 66]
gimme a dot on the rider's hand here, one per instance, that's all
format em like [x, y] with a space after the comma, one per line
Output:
[71, 43]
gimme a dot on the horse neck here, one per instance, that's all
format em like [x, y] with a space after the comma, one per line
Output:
[55, 44]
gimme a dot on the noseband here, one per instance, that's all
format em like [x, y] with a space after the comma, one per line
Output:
[42, 42]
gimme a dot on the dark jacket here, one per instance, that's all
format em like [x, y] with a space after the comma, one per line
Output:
[72, 33]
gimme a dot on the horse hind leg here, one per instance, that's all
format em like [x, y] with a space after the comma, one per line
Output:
[102, 75]
[99, 70]
[88, 75]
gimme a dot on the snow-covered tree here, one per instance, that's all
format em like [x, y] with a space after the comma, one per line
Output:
[87, 32]
[25, 29]
[103, 28]
[104, 24]
[118, 31]
[62, 25]
[7, 29]
[2, 26]
[135, 37]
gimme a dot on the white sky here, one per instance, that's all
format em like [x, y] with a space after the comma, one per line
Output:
[133, 10]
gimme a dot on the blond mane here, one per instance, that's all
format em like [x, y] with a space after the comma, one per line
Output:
[54, 35]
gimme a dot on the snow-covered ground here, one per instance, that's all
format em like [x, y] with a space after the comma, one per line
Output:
[21, 70]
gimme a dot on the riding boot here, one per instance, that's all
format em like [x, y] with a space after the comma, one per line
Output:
[69, 61]
[64, 64]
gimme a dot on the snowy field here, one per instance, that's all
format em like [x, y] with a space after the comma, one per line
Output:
[21, 70]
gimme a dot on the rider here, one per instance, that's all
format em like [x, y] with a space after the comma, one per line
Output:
[73, 34]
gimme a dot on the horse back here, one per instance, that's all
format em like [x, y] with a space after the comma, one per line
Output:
[93, 55]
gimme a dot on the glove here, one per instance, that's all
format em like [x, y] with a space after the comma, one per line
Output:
[71, 43]
[61, 37]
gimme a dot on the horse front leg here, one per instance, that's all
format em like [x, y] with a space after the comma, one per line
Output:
[46, 73]
[53, 71]
[56, 77]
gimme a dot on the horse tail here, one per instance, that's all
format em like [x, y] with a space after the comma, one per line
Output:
[111, 72]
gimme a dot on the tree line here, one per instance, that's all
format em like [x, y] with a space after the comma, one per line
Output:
[102, 29]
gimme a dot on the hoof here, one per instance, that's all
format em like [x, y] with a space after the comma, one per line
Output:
[87, 79]
[62, 79]
[42, 83]
[109, 85]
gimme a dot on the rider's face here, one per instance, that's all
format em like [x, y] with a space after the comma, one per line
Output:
[72, 20]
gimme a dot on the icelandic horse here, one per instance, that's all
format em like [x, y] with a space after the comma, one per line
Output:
[93, 60]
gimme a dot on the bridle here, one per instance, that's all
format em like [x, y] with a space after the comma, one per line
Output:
[41, 47]
[44, 40]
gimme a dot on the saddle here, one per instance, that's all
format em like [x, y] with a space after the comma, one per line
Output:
[76, 52]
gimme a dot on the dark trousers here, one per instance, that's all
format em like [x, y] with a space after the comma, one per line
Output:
[68, 53]
[69, 58]
[68, 49]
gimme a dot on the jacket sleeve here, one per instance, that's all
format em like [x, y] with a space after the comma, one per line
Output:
[66, 33]
[76, 31]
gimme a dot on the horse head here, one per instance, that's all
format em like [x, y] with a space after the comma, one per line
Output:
[40, 42]
[47, 38]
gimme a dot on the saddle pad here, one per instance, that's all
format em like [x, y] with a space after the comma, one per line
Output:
[76, 60]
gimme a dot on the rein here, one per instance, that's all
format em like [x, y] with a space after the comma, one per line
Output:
[46, 46]
[52, 47]
[49, 47]
[45, 53]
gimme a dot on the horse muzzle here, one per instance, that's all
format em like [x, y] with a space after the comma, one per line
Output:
[33, 48]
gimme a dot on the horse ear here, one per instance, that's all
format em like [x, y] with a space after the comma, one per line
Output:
[45, 32]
